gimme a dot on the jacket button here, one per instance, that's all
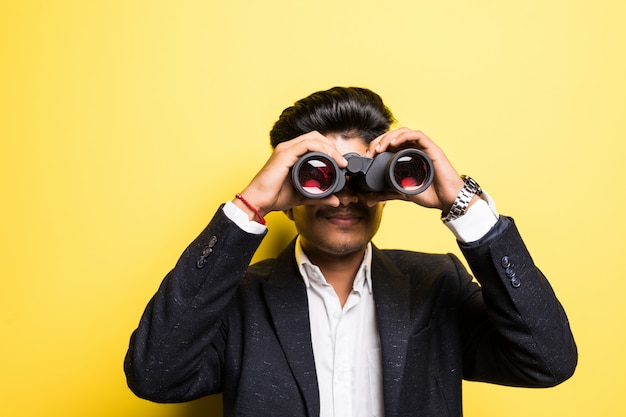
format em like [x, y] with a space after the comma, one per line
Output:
[506, 262]
[515, 282]
[206, 252]
[510, 272]
[201, 262]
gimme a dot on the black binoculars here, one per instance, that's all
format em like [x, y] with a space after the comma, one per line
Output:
[409, 171]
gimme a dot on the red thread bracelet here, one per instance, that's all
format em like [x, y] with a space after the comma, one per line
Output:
[251, 207]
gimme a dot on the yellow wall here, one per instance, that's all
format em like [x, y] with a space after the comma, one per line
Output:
[124, 124]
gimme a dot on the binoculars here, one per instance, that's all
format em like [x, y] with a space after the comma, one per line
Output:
[409, 171]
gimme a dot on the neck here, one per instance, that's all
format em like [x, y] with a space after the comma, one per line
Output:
[339, 270]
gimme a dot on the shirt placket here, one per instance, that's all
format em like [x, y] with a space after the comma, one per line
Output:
[344, 349]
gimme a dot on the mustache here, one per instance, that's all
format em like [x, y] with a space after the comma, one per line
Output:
[351, 211]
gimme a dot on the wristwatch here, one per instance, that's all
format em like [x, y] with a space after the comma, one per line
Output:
[470, 187]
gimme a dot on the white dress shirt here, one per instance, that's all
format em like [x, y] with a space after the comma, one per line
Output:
[346, 344]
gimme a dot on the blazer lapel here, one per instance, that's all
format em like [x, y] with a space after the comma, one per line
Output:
[287, 303]
[392, 299]
[286, 298]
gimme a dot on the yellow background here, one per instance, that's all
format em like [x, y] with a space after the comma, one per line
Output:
[125, 123]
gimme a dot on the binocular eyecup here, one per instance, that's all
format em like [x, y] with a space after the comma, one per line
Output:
[409, 171]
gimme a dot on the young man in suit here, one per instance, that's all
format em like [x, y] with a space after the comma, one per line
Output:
[334, 326]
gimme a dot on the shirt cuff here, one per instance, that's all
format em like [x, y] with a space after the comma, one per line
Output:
[476, 222]
[241, 219]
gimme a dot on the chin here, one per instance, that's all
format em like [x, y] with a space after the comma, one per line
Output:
[345, 247]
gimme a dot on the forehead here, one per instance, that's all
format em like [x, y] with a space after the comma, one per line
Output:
[345, 145]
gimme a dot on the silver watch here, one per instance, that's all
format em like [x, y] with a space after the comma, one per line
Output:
[470, 187]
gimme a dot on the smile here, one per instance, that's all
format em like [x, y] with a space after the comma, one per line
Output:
[342, 218]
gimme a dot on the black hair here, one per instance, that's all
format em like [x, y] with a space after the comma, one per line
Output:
[348, 111]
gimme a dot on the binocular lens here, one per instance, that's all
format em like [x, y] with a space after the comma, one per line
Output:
[409, 172]
[316, 175]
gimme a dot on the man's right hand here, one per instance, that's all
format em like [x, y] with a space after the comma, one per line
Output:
[272, 190]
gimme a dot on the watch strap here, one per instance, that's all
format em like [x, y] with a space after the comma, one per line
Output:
[460, 204]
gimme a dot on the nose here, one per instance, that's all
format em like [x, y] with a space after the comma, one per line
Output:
[347, 196]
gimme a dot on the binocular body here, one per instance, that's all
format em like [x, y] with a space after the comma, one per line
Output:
[409, 171]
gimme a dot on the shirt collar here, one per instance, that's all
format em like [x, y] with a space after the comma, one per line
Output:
[311, 272]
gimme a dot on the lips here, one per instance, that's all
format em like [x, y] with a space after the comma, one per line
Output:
[342, 217]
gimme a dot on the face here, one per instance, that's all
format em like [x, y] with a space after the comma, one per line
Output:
[338, 231]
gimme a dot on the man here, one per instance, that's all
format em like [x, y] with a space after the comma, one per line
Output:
[334, 326]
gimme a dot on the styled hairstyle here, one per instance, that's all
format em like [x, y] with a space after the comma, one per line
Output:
[348, 111]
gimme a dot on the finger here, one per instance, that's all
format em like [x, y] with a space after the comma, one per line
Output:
[315, 142]
[373, 147]
[391, 139]
[381, 143]
[414, 138]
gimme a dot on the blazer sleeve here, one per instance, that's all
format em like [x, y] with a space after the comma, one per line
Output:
[516, 331]
[176, 352]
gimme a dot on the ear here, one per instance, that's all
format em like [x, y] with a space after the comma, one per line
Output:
[289, 213]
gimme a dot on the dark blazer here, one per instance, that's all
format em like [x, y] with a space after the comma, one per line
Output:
[218, 325]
